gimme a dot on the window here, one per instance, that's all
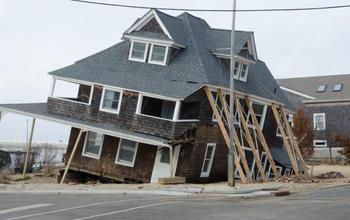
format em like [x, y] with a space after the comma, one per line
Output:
[321, 88]
[236, 70]
[138, 51]
[290, 121]
[157, 107]
[260, 112]
[93, 145]
[71, 91]
[111, 100]
[208, 160]
[244, 72]
[189, 110]
[165, 155]
[337, 87]
[320, 143]
[240, 71]
[126, 152]
[319, 121]
[158, 54]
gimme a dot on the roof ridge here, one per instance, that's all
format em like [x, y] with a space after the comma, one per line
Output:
[228, 30]
[319, 76]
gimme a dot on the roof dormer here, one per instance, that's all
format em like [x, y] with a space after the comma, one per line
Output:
[153, 37]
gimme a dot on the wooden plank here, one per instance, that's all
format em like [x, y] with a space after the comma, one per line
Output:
[236, 139]
[29, 146]
[285, 140]
[262, 140]
[72, 155]
[294, 143]
[224, 132]
[250, 141]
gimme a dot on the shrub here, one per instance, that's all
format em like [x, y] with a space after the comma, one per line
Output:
[303, 131]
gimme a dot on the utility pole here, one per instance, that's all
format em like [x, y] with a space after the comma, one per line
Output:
[231, 154]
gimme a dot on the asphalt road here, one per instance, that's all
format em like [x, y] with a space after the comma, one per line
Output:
[324, 204]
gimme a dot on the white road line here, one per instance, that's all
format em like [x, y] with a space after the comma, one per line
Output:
[126, 210]
[84, 206]
[21, 208]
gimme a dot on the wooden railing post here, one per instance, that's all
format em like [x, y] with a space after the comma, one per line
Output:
[29, 146]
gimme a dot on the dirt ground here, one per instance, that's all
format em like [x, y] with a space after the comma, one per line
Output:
[35, 182]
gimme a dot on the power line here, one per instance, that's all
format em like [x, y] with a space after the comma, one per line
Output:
[217, 10]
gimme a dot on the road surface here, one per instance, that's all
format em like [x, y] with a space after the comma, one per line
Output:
[324, 204]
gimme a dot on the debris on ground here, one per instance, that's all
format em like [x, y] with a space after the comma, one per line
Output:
[5, 177]
[330, 175]
[305, 179]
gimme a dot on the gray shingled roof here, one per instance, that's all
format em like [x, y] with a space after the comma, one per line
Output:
[40, 111]
[309, 86]
[192, 68]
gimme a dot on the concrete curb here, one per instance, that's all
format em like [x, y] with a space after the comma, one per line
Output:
[100, 192]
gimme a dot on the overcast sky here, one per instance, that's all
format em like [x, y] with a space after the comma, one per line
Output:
[38, 36]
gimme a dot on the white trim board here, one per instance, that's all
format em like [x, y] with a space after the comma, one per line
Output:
[145, 19]
[297, 93]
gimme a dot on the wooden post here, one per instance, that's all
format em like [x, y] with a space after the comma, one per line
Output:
[294, 143]
[285, 140]
[250, 141]
[224, 132]
[29, 146]
[262, 140]
[72, 155]
[171, 162]
[236, 139]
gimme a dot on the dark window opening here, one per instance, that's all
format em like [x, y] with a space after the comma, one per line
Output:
[189, 110]
[158, 107]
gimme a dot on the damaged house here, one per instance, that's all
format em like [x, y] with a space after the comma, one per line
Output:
[155, 105]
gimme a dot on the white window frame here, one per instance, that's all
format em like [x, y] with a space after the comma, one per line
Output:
[91, 155]
[278, 168]
[206, 174]
[324, 118]
[53, 86]
[143, 60]
[126, 163]
[244, 79]
[119, 104]
[176, 114]
[165, 55]
[324, 145]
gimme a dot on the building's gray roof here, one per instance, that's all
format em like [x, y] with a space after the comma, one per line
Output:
[192, 68]
[40, 111]
[309, 86]
[281, 156]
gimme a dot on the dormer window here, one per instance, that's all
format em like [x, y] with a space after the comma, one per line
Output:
[322, 88]
[149, 52]
[241, 71]
[138, 51]
[337, 87]
[158, 54]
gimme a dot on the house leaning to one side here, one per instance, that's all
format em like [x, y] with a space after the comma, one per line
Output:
[142, 106]
[326, 100]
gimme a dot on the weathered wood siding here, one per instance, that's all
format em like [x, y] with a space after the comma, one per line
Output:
[126, 119]
[105, 166]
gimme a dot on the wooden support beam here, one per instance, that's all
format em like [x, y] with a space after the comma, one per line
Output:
[29, 146]
[72, 155]
[250, 141]
[262, 140]
[294, 143]
[236, 139]
[285, 139]
[224, 132]
[171, 162]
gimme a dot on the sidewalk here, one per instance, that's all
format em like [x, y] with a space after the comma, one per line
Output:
[241, 190]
